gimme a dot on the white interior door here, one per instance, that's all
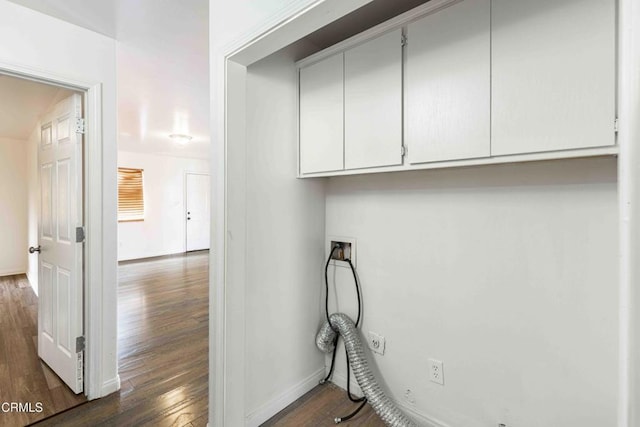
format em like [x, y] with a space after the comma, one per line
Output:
[60, 320]
[198, 204]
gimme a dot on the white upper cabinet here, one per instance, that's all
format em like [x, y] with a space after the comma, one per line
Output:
[447, 86]
[478, 82]
[373, 103]
[553, 75]
[321, 116]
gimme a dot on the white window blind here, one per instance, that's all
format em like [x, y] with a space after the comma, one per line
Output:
[130, 195]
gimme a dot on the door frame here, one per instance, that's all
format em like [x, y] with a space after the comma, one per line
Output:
[92, 210]
[184, 188]
[228, 86]
[228, 68]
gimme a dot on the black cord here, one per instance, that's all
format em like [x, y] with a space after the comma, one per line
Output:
[353, 414]
[355, 279]
[349, 395]
[335, 343]
[326, 282]
[333, 361]
[326, 309]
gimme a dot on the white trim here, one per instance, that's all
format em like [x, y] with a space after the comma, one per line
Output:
[390, 25]
[518, 158]
[283, 29]
[93, 198]
[290, 25]
[110, 386]
[278, 403]
[93, 222]
[629, 212]
[253, 35]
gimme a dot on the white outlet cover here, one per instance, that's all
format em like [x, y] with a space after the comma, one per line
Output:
[376, 343]
[436, 371]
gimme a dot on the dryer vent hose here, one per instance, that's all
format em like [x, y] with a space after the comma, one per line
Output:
[326, 339]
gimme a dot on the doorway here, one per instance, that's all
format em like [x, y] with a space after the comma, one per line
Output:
[41, 290]
[198, 206]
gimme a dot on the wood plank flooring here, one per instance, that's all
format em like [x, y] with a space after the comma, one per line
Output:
[320, 406]
[163, 314]
[23, 377]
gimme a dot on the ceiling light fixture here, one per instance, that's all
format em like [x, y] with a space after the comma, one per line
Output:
[180, 138]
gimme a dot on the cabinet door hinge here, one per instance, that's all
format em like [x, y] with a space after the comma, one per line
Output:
[615, 125]
[81, 126]
[403, 40]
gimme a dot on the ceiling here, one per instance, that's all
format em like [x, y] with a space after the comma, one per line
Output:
[163, 62]
[23, 102]
[162, 67]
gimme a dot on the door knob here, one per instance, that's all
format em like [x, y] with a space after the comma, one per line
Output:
[32, 249]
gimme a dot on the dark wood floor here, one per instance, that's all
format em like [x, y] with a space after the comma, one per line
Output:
[23, 377]
[320, 406]
[162, 348]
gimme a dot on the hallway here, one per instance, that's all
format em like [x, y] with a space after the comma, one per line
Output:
[162, 347]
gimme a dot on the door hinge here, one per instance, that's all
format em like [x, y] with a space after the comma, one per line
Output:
[79, 344]
[615, 125]
[81, 126]
[403, 40]
[80, 234]
[403, 150]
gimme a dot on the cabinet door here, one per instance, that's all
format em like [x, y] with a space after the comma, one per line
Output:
[553, 75]
[321, 116]
[373, 103]
[448, 101]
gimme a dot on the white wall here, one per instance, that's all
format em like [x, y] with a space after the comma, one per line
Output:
[45, 44]
[163, 230]
[13, 206]
[508, 274]
[232, 23]
[284, 234]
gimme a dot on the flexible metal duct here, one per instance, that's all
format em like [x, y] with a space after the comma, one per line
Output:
[384, 407]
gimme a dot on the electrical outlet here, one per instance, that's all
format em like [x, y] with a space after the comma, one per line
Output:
[436, 372]
[376, 343]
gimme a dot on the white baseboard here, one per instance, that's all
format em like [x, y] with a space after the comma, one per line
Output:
[110, 386]
[11, 272]
[420, 418]
[278, 403]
